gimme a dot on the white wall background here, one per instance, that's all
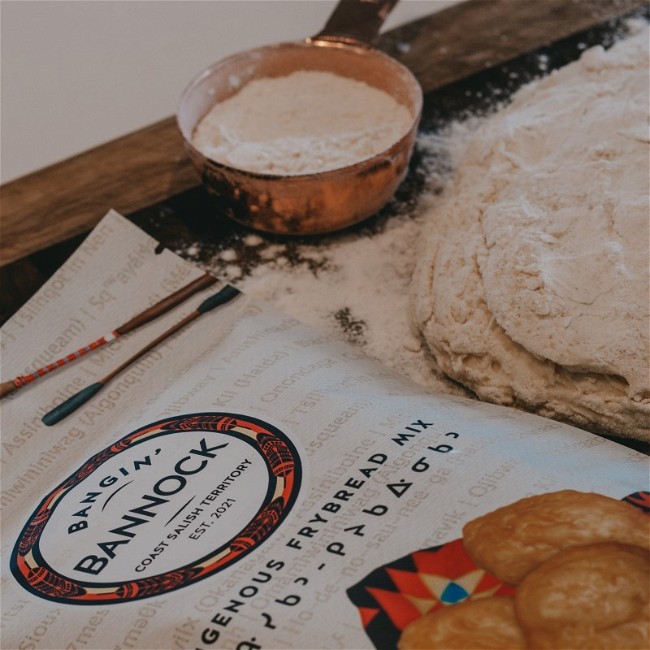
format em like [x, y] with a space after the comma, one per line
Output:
[77, 73]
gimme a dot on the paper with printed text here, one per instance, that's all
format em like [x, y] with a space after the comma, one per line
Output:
[250, 483]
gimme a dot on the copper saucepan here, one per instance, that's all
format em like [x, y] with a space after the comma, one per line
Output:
[318, 202]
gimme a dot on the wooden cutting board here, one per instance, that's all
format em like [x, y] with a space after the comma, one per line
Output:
[150, 165]
[466, 57]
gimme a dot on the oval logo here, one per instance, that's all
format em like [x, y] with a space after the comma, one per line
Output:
[169, 504]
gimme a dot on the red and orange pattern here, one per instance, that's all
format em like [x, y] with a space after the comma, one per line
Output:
[280, 456]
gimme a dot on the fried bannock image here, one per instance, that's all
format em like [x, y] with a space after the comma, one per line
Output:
[593, 596]
[478, 624]
[513, 540]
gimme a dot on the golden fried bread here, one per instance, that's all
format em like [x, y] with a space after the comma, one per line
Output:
[593, 596]
[477, 624]
[513, 540]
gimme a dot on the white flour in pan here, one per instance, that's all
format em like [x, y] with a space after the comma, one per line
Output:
[304, 123]
[533, 288]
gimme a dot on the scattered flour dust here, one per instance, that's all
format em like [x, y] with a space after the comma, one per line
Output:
[306, 122]
[353, 285]
[360, 292]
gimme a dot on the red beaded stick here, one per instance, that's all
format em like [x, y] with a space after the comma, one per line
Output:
[58, 413]
[146, 316]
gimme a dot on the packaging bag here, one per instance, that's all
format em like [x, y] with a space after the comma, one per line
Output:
[251, 482]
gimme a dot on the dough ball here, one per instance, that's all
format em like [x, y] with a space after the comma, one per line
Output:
[513, 540]
[593, 596]
[532, 285]
[477, 624]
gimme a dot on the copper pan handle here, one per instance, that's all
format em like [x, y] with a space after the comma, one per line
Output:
[356, 22]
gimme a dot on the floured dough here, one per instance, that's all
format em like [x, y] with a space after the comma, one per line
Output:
[534, 285]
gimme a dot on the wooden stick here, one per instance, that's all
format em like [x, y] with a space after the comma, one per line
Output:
[160, 308]
[78, 399]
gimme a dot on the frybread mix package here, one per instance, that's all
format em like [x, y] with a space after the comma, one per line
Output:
[252, 483]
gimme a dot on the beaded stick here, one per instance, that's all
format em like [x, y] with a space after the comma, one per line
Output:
[58, 413]
[161, 307]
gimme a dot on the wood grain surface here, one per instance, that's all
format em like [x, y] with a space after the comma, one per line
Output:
[147, 166]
